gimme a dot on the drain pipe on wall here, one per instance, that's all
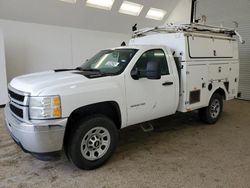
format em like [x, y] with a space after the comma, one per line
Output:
[3, 77]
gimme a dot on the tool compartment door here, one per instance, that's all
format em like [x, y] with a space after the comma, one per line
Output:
[196, 86]
[233, 80]
[219, 71]
[205, 47]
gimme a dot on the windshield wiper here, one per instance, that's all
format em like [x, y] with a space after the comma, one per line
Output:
[94, 71]
[90, 70]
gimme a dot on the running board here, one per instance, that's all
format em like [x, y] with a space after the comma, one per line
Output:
[147, 127]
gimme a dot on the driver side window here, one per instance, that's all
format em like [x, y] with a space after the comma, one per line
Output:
[156, 55]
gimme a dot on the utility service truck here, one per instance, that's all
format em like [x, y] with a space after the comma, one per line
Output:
[163, 70]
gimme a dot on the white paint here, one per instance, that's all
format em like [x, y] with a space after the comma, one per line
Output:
[3, 79]
[211, 48]
[121, 89]
[181, 14]
[198, 72]
[149, 99]
[34, 47]
[226, 12]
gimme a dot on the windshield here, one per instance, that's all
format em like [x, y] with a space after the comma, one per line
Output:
[110, 61]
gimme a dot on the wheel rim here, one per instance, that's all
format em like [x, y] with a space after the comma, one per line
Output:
[95, 143]
[215, 108]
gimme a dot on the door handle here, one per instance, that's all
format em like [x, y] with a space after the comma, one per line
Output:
[168, 83]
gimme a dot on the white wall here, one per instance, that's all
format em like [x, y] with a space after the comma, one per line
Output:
[3, 80]
[34, 47]
[181, 13]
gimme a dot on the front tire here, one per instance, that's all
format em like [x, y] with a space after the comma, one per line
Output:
[93, 142]
[212, 113]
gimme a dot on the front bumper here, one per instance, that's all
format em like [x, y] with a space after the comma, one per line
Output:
[36, 137]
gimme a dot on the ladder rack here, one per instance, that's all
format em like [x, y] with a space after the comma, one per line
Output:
[188, 28]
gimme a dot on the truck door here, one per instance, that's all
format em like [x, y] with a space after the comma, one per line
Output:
[150, 99]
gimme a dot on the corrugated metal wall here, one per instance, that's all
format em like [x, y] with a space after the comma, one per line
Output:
[226, 12]
[244, 86]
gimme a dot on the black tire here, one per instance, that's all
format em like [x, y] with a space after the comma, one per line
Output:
[76, 144]
[212, 113]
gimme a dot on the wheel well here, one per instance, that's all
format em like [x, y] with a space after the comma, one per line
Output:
[221, 92]
[110, 109]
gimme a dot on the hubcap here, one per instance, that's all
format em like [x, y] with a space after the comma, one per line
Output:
[95, 143]
[215, 108]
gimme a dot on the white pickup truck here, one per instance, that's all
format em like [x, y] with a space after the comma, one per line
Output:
[81, 110]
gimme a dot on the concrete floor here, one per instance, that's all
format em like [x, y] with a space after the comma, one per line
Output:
[180, 152]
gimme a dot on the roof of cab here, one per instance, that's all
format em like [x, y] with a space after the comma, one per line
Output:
[139, 47]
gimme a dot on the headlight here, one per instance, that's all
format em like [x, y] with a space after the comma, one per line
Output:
[45, 107]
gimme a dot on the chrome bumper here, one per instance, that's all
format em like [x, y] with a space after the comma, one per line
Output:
[36, 137]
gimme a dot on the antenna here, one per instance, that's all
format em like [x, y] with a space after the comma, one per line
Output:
[134, 28]
[123, 43]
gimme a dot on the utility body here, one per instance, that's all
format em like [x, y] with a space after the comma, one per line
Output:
[156, 75]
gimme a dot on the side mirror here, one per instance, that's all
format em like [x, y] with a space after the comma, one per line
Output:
[153, 71]
[135, 74]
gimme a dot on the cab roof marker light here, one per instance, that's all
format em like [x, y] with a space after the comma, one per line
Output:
[156, 14]
[131, 8]
[101, 4]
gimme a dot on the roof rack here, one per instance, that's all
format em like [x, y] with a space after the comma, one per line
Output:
[176, 28]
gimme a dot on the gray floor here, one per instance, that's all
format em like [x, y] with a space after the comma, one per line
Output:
[180, 152]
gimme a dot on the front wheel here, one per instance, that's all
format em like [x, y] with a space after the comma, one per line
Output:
[212, 113]
[93, 142]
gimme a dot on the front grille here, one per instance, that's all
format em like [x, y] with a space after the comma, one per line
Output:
[16, 96]
[18, 103]
[16, 111]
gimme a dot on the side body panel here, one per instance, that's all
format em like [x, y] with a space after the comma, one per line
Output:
[212, 63]
[203, 60]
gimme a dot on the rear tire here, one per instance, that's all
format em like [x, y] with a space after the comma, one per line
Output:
[212, 112]
[93, 142]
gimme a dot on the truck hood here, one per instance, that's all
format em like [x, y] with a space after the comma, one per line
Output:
[37, 82]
